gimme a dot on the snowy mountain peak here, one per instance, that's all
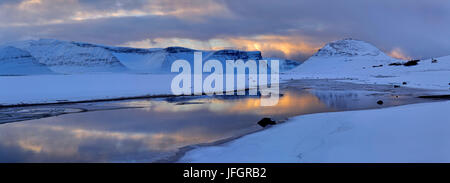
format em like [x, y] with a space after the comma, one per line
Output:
[349, 56]
[348, 47]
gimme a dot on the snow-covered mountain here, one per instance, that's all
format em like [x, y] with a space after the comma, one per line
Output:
[160, 60]
[14, 61]
[348, 56]
[67, 57]
[359, 60]
[77, 57]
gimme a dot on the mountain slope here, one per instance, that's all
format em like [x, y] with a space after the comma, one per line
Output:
[365, 63]
[346, 57]
[67, 57]
[79, 57]
[160, 60]
[14, 61]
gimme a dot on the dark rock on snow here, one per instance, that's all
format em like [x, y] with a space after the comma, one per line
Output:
[411, 63]
[395, 64]
[266, 121]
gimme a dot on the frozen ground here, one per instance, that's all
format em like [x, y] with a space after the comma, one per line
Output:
[63, 88]
[397, 134]
[38, 89]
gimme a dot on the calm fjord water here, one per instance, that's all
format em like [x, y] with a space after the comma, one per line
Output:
[155, 129]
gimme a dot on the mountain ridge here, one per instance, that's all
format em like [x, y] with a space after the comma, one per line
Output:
[70, 57]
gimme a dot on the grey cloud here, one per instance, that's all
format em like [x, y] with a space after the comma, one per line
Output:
[420, 28]
[417, 27]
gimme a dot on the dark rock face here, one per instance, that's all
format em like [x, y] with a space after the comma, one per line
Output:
[380, 102]
[113, 49]
[236, 54]
[404, 83]
[289, 64]
[266, 121]
[178, 49]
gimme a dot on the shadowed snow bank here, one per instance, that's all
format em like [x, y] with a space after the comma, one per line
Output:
[398, 134]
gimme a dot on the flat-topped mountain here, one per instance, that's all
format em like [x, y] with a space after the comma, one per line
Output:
[71, 57]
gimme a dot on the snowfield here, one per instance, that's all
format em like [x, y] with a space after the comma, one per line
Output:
[40, 89]
[63, 88]
[397, 134]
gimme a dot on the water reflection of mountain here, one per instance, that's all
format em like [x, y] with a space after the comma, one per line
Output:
[342, 99]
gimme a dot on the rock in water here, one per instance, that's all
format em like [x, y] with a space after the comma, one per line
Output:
[266, 121]
[380, 102]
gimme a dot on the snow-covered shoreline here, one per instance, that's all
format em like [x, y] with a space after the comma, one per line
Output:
[38, 89]
[42, 89]
[51, 89]
[398, 134]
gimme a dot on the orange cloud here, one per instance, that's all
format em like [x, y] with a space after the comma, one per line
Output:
[289, 46]
[398, 53]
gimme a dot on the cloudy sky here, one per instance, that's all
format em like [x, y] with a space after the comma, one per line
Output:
[283, 28]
